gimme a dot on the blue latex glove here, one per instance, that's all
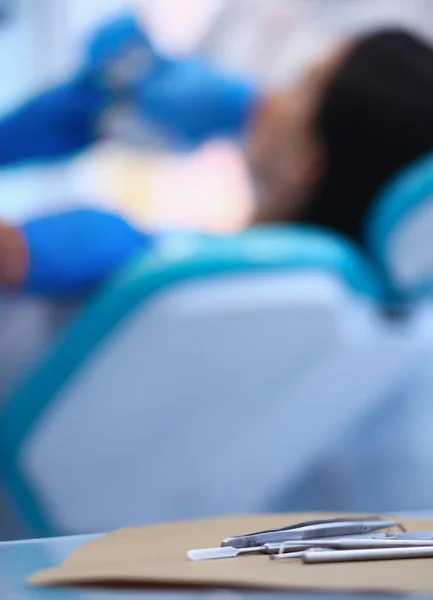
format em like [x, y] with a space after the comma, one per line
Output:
[192, 100]
[195, 101]
[53, 126]
[120, 44]
[71, 252]
[63, 121]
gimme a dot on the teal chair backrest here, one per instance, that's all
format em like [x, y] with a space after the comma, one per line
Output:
[203, 377]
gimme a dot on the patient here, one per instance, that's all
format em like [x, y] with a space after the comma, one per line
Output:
[319, 152]
[322, 151]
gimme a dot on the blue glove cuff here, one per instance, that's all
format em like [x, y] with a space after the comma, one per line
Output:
[70, 253]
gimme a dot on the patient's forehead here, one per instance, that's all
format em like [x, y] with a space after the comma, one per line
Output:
[332, 55]
[308, 91]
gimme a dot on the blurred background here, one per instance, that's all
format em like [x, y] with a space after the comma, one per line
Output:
[46, 42]
[384, 462]
[272, 41]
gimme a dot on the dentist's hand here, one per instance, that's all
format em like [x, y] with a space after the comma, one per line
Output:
[71, 252]
[189, 98]
[120, 53]
[64, 120]
[194, 101]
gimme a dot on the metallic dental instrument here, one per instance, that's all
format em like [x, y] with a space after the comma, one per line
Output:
[367, 543]
[229, 552]
[332, 556]
[300, 537]
[310, 530]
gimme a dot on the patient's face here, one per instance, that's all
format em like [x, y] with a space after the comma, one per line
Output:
[285, 153]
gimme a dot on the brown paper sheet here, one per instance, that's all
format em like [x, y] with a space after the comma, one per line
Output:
[156, 555]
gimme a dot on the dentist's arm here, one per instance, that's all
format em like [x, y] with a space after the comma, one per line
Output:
[67, 254]
[62, 121]
[54, 125]
[189, 98]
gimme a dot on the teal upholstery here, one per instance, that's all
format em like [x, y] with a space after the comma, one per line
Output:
[407, 197]
[179, 258]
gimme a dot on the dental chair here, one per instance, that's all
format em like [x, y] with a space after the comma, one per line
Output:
[400, 231]
[207, 378]
[393, 471]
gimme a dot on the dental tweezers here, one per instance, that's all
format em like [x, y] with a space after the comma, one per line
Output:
[311, 530]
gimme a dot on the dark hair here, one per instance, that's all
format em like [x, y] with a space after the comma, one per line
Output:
[376, 117]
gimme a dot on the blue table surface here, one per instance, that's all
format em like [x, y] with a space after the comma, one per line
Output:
[19, 559]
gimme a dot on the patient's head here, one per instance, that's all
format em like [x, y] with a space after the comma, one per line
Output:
[322, 150]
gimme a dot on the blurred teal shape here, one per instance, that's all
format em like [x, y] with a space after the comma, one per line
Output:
[407, 196]
[408, 189]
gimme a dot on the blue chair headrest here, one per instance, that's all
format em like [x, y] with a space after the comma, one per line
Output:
[400, 230]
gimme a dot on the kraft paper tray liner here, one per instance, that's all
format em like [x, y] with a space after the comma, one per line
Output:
[155, 555]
